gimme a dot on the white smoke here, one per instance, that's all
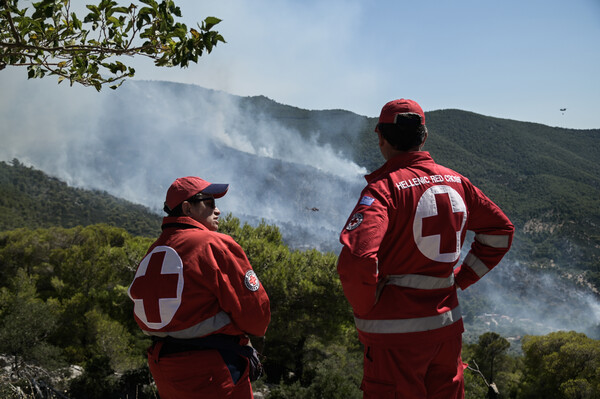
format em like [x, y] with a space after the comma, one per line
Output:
[133, 142]
[514, 299]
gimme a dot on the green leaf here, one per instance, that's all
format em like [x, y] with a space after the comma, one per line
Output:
[76, 22]
[114, 21]
[92, 17]
[94, 9]
[121, 10]
[57, 32]
[151, 3]
[209, 22]
[115, 87]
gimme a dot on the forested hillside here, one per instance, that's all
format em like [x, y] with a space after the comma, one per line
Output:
[64, 302]
[290, 161]
[66, 326]
[67, 331]
[68, 254]
[32, 199]
[546, 179]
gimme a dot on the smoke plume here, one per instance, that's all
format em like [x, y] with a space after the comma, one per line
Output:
[133, 142]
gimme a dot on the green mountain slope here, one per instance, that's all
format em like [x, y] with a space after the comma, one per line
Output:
[30, 198]
[546, 179]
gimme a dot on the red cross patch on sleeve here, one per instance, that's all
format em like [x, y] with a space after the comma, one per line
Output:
[354, 221]
[251, 280]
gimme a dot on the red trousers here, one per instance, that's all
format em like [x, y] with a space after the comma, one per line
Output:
[196, 374]
[416, 371]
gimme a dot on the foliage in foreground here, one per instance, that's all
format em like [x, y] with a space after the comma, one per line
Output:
[66, 325]
[64, 302]
[48, 37]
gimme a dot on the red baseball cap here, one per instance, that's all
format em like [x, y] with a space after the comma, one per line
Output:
[185, 187]
[392, 109]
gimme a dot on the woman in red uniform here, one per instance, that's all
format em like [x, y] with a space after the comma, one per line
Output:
[196, 294]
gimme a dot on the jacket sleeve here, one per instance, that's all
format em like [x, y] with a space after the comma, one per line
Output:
[493, 238]
[239, 290]
[358, 262]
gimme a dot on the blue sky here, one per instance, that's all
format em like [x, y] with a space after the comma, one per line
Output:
[513, 59]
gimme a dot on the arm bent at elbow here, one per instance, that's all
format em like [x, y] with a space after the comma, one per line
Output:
[358, 276]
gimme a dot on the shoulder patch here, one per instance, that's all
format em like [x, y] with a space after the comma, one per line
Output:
[251, 281]
[366, 200]
[354, 221]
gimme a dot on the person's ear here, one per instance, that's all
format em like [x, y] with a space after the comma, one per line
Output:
[381, 139]
[424, 140]
[186, 208]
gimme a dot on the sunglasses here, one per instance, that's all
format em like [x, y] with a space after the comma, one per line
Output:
[210, 203]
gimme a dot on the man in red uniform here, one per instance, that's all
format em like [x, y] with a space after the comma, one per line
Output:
[400, 246]
[196, 294]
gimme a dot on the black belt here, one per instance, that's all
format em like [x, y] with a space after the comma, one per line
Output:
[228, 346]
[216, 341]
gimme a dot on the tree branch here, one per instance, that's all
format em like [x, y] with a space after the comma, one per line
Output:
[492, 389]
[53, 41]
[90, 49]
[11, 22]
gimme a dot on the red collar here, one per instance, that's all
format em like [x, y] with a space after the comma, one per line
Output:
[186, 221]
[400, 161]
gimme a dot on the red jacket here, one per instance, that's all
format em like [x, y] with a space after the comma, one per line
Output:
[406, 234]
[194, 282]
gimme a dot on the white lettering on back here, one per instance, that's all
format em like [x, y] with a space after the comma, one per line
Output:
[423, 180]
